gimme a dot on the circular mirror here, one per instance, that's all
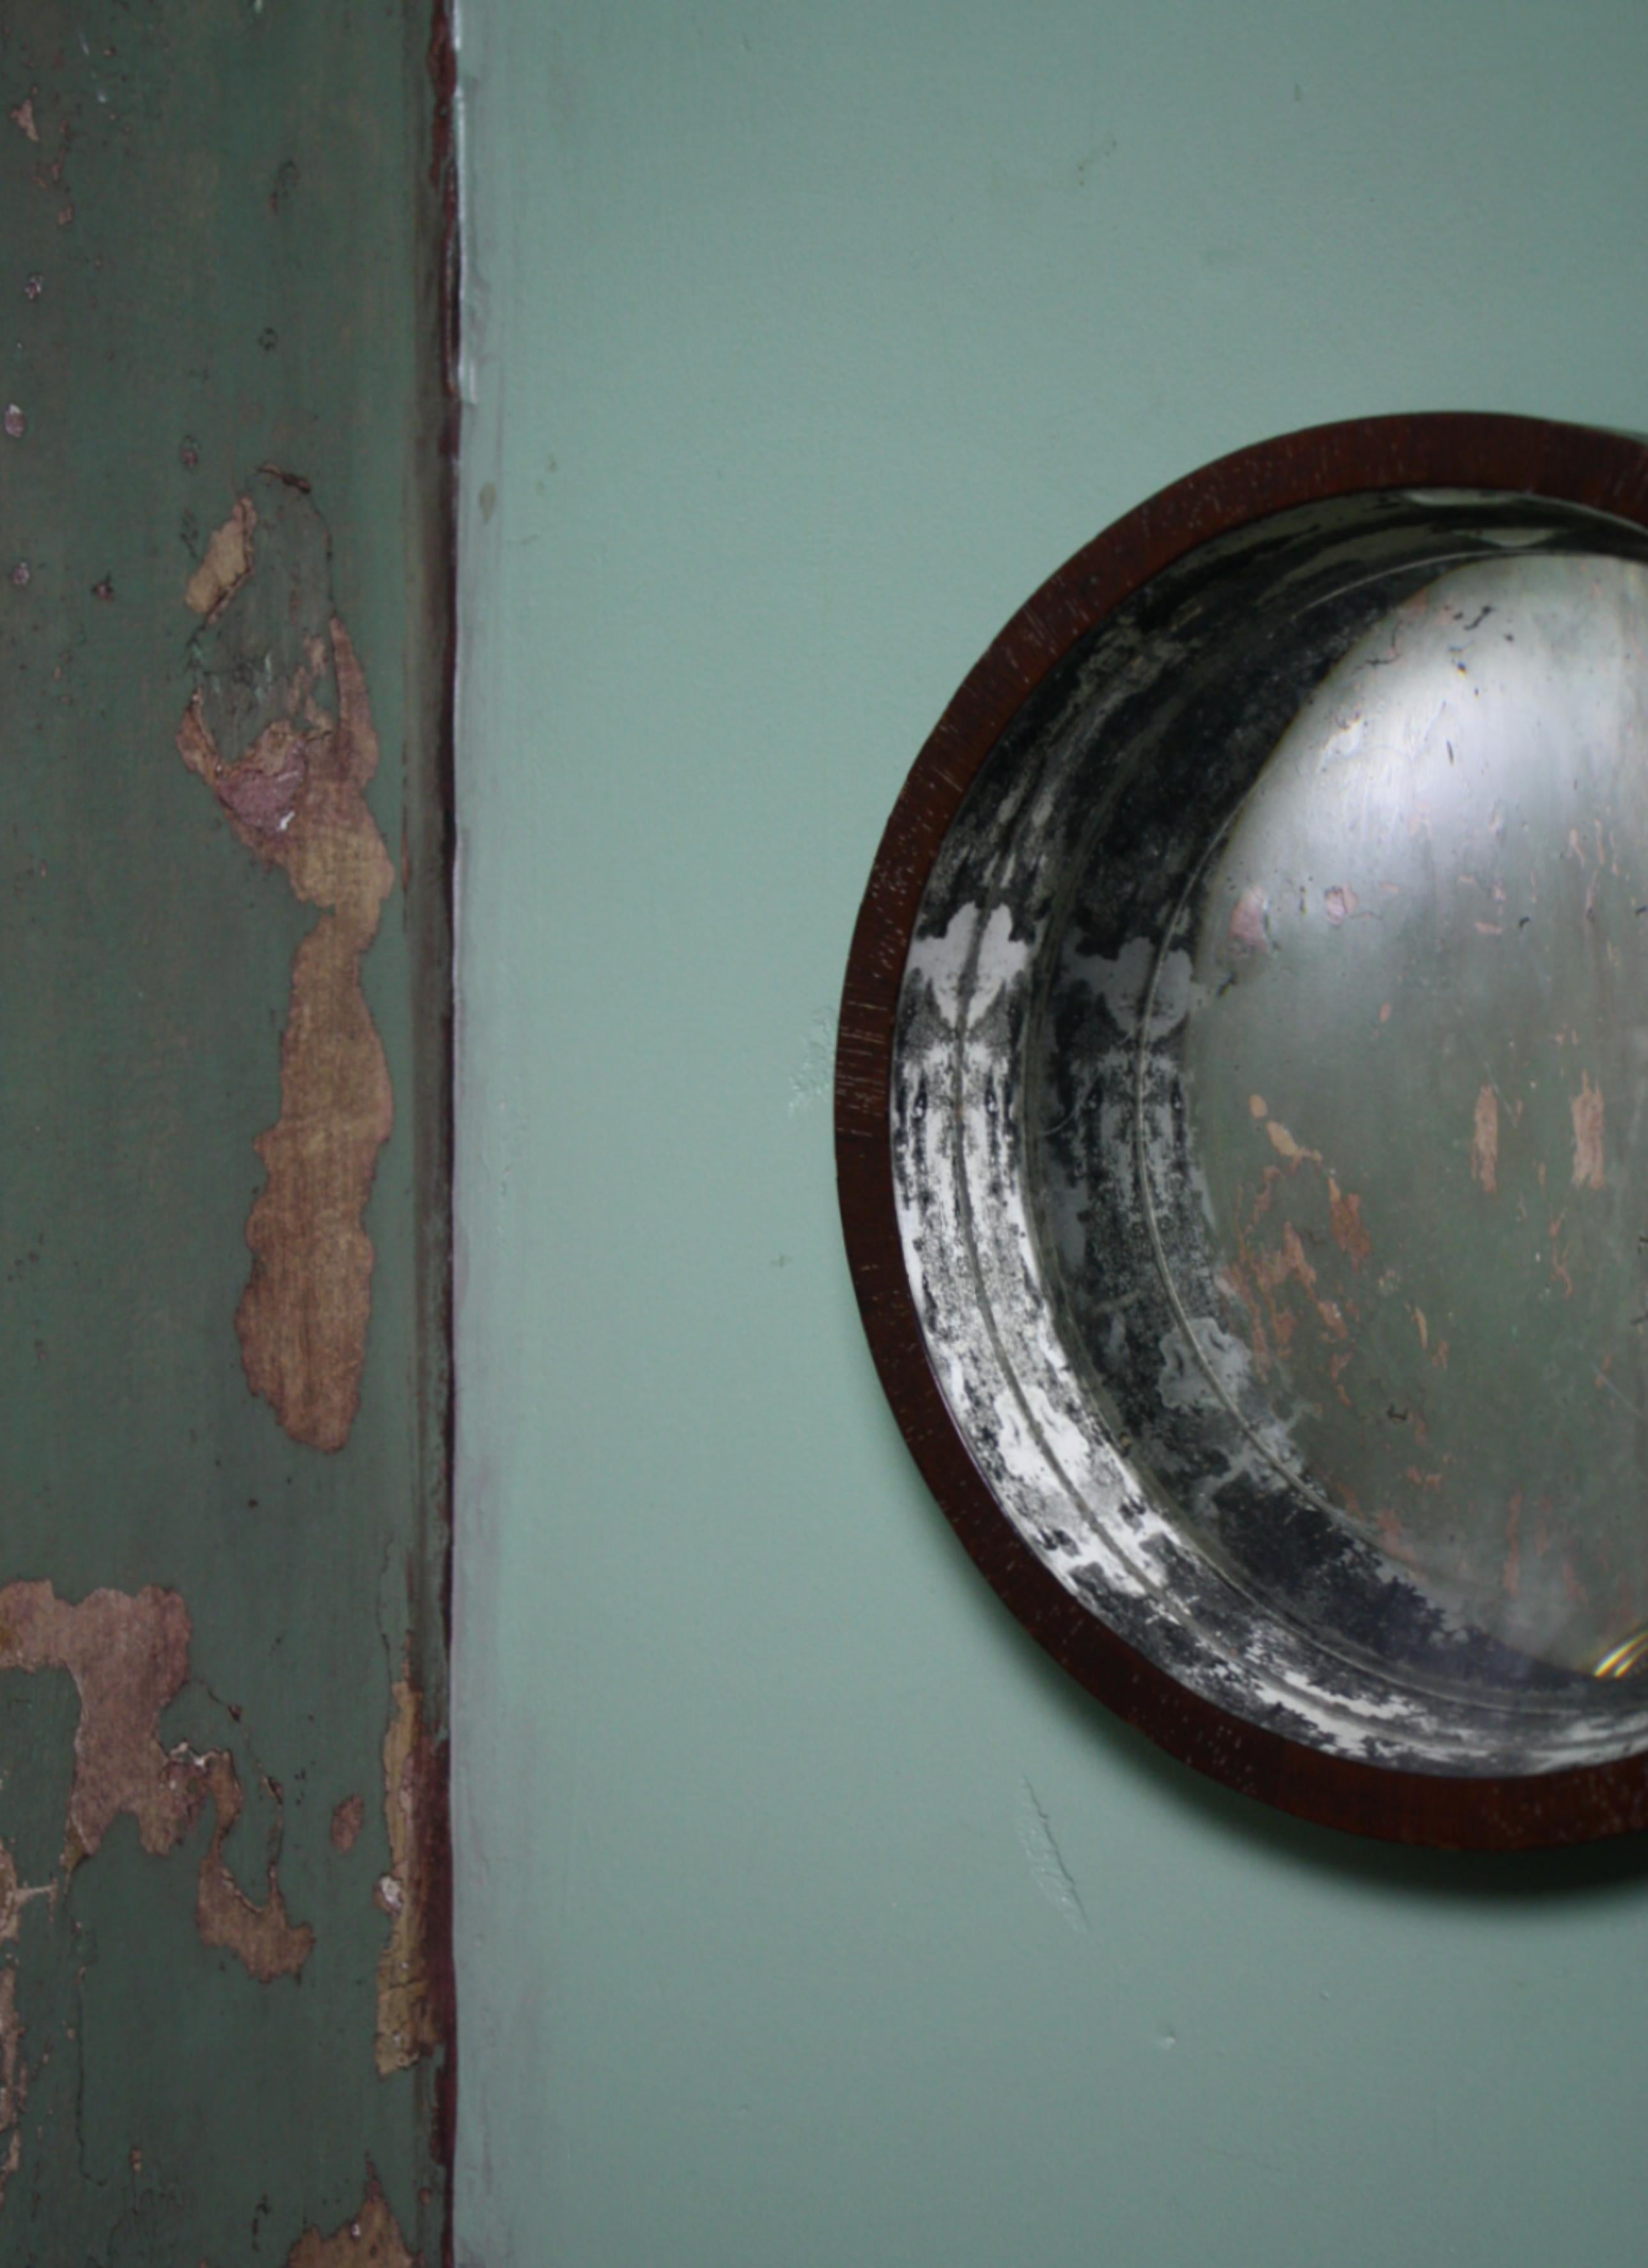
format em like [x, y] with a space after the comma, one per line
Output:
[1242, 1101]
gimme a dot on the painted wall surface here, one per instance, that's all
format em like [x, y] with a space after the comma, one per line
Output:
[221, 1146]
[805, 1913]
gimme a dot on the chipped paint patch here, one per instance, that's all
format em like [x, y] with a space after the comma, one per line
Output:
[1589, 1170]
[1559, 1256]
[410, 2021]
[1248, 931]
[129, 1655]
[347, 1822]
[227, 562]
[13, 2078]
[1283, 1143]
[1288, 1264]
[11, 1898]
[1484, 1150]
[14, 1898]
[290, 775]
[14, 2075]
[371, 2239]
[260, 1937]
[1345, 1214]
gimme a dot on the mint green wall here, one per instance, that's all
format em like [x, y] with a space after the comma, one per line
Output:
[806, 1915]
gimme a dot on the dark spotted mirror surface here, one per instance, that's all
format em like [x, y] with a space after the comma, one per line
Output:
[1269, 1127]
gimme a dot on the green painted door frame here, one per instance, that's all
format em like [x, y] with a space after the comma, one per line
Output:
[224, 498]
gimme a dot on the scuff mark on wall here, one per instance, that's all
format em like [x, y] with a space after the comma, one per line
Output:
[1048, 1869]
[291, 773]
[411, 2012]
[262, 1937]
[373, 2239]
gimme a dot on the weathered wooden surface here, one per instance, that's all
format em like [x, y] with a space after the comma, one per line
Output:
[225, 2024]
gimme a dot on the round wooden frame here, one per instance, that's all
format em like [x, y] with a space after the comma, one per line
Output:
[1579, 465]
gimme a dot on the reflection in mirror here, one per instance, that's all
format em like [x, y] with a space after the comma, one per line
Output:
[1270, 1090]
[1417, 1060]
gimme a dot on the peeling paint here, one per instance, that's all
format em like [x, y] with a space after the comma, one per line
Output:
[14, 1898]
[347, 1822]
[13, 2077]
[371, 2239]
[1559, 1257]
[1589, 1172]
[1283, 1143]
[227, 562]
[129, 1655]
[1345, 1213]
[1289, 1262]
[11, 1898]
[1248, 933]
[164, 1752]
[294, 795]
[410, 2018]
[1484, 1150]
[262, 1937]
